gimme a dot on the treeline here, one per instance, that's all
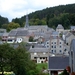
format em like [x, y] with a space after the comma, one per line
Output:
[63, 14]
[3, 20]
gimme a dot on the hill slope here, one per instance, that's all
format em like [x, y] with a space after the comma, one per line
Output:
[64, 14]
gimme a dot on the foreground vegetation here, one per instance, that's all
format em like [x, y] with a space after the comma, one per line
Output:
[18, 61]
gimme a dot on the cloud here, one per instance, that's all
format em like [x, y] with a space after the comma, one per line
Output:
[19, 8]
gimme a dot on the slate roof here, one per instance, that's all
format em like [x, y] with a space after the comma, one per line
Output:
[39, 34]
[13, 32]
[60, 26]
[55, 33]
[19, 32]
[37, 26]
[5, 34]
[2, 31]
[33, 50]
[73, 45]
[22, 33]
[58, 63]
[72, 27]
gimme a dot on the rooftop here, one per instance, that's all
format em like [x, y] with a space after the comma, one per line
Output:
[58, 62]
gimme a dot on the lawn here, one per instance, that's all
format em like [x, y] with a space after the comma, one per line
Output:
[41, 66]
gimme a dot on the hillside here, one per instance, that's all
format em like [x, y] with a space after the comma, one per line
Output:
[64, 14]
[3, 21]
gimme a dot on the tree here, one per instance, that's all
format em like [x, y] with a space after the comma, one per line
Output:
[16, 60]
[5, 26]
[12, 25]
[30, 39]
[64, 72]
[23, 64]
[5, 56]
[3, 20]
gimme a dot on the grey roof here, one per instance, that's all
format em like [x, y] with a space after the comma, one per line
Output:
[73, 45]
[13, 32]
[60, 26]
[50, 29]
[4, 30]
[72, 27]
[65, 33]
[39, 34]
[39, 45]
[1, 34]
[35, 27]
[22, 33]
[58, 63]
[5, 34]
[33, 50]
[19, 32]
[55, 33]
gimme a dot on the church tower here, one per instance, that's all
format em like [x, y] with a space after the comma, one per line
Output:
[27, 23]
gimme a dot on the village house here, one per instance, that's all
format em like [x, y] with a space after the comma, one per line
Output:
[60, 28]
[57, 64]
[72, 56]
[39, 53]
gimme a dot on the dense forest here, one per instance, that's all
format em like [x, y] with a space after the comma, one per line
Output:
[62, 14]
[3, 20]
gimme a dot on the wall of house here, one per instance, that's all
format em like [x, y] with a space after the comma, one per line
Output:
[39, 57]
[57, 46]
[69, 39]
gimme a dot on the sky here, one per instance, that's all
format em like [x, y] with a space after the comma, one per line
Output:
[17, 8]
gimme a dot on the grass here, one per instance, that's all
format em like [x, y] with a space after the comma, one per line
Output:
[41, 66]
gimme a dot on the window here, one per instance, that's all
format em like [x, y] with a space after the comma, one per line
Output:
[44, 53]
[52, 42]
[35, 57]
[47, 42]
[65, 49]
[60, 51]
[52, 46]
[60, 46]
[52, 51]
[55, 51]
[55, 42]
[60, 42]
[40, 57]
[47, 46]
[55, 46]
[43, 57]
[67, 43]
[35, 53]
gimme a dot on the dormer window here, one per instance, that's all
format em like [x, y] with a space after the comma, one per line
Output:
[44, 53]
[35, 53]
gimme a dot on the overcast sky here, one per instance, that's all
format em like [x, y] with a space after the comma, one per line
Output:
[18, 8]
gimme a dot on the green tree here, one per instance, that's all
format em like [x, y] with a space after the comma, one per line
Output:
[30, 39]
[16, 60]
[12, 25]
[3, 20]
[5, 57]
[72, 19]
[5, 26]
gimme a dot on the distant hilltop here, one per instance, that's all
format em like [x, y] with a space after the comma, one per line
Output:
[62, 14]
